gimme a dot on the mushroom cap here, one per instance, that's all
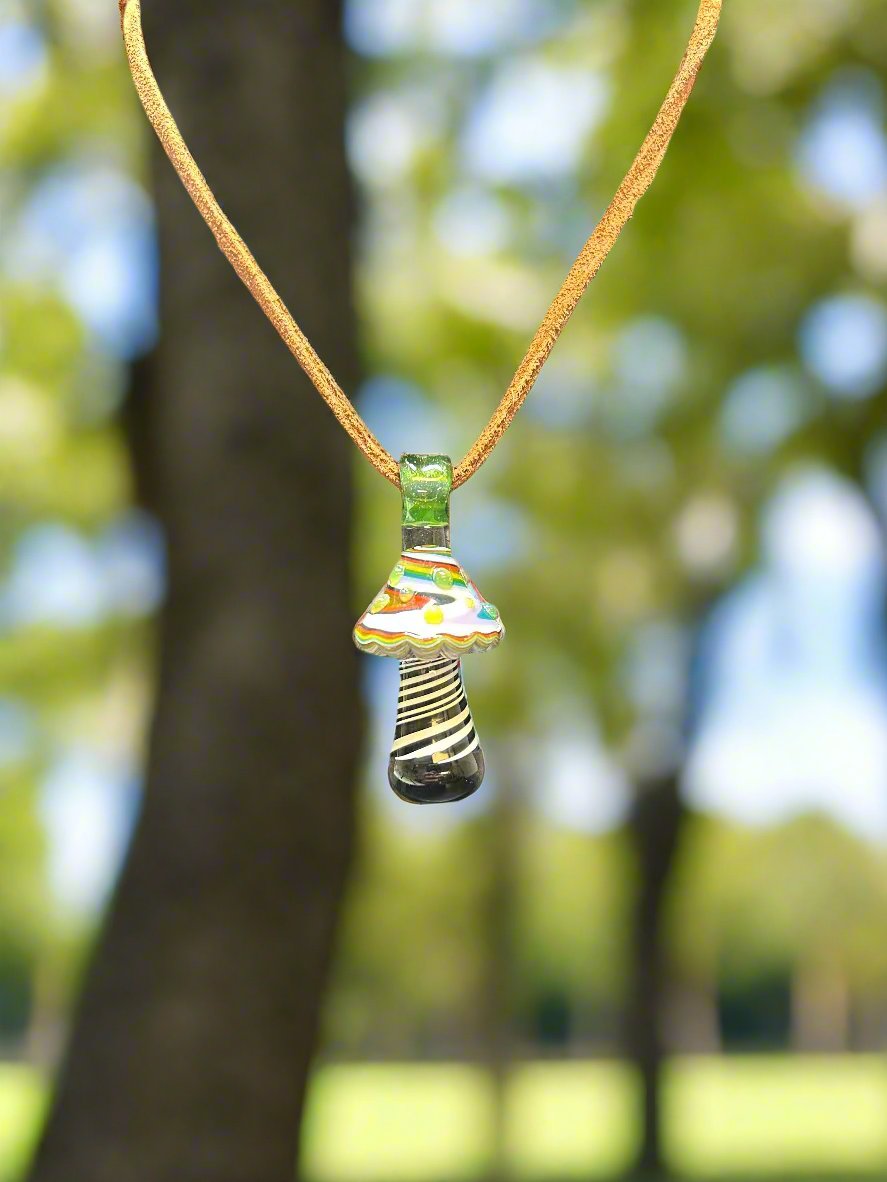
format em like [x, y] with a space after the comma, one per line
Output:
[429, 607]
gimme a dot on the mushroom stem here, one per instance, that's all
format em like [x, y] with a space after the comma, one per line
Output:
[436, 755]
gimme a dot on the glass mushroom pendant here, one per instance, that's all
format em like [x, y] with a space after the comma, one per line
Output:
[430, 614]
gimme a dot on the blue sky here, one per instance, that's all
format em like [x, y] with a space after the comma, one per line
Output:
[795, 694]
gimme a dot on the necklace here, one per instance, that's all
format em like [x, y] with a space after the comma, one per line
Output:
[429, 614]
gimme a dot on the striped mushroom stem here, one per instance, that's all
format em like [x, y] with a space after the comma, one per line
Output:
[436, 755]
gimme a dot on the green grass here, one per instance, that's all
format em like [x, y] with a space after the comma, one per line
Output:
[785, 1115]
[724, 1119]
[22, 1100]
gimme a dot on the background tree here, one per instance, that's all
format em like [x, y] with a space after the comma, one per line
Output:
[197, 1025]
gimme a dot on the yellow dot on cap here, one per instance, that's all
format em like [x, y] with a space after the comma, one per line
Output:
[396, 575]
[443, 577]
[470, 603]
[433, 614]
[379, 603]
[405, 594]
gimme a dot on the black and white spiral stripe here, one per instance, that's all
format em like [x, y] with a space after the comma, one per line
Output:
[433, 717]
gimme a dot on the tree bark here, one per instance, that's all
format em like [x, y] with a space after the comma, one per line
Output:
[199, 1017]
[496, 1003]
[655, 827]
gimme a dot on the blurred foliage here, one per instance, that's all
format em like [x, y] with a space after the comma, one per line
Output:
[411, 980]
[620, 503]
[713, 277]
[64, 104]
[634, 480]
[767, 900]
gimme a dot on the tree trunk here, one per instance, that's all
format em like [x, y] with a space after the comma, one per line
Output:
[199, 1017]
[503, 834]
[820, 1007]
[655, 825]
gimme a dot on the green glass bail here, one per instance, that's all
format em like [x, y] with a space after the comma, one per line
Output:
[425, 485]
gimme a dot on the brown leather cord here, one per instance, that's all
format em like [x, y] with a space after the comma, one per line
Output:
[635, 183]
